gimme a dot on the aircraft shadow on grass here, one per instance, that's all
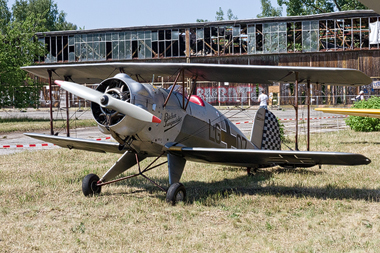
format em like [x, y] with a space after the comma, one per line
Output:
[223, 189]
[360, 142]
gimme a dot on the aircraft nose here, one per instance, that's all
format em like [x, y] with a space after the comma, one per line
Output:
[104, 100]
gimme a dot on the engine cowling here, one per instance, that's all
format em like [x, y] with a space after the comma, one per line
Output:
[110, 120]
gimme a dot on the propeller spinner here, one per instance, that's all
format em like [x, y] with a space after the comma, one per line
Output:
[108, 102]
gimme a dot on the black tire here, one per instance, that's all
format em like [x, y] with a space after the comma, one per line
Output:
[89, 187]
[176, 193]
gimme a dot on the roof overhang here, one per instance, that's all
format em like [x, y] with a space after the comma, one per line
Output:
[372, 4]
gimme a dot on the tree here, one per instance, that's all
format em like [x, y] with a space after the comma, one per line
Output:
[220, 16]
[230, 15]
[309, 7]
[5, 15]
[53, 19]
[267, 10]
[19, 47]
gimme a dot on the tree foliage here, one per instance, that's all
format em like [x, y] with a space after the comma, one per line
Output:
[309, 7]
[19, 47]
[220, 16]
[267, 10]
[365, 124]
[52, 18]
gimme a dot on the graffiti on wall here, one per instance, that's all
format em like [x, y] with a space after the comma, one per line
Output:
[229, 94]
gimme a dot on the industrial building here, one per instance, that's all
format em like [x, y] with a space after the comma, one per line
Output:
[347, 39]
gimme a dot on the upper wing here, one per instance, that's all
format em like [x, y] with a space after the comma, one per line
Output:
[74, 143]
[374, 5]
[373, 113]
[251, 157]
[95, 72]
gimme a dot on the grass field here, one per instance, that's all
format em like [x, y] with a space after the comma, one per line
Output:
[333, 209]
[28, 124]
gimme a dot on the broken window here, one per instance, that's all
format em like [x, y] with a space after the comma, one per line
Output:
[236, 46]
[275, 37]
[154, 44]
[251, 39]
[282, 40]
[221, 40]
[259, 38]
[347, 30]
[365, 33]
[182, 42]
[330, 35]
[207, 42]
[53, 46]
[199, 42]
[71, 57]
[310, 30]
[374, 33]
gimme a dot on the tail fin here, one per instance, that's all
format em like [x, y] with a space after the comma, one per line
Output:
[265, 132]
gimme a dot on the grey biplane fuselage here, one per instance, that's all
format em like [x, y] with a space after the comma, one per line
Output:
[196, 125]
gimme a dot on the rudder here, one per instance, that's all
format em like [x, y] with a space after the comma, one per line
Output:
[265, 132]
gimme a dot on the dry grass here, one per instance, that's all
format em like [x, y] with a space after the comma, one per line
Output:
[35, 125]
[335, 209]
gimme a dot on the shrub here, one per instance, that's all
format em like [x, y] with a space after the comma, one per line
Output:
[365, 124]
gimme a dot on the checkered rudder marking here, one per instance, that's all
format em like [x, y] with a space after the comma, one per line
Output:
[271, 133]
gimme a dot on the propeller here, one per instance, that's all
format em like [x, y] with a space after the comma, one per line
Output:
[108, 101]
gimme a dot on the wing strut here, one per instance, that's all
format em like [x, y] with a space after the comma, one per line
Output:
[171, 90]
[308, 114]
[194, 84]
[296, 109]
[51, 102]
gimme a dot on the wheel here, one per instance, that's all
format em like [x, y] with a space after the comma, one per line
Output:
[89, 187]
[251, 171]
[176, 193]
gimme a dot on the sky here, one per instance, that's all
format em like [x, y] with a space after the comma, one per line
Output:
[96, 14]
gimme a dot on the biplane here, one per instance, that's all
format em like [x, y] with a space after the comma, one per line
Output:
[148, 121]
[372, 113]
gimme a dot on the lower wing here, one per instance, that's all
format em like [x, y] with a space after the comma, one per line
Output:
[267, 158]
[74, 143]
[373, 113]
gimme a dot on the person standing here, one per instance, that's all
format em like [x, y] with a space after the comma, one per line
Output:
[360, 97]
[263, 99]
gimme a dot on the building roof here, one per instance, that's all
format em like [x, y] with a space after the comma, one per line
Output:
[333, 15]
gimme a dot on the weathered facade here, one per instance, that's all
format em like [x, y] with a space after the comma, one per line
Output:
[341, 39]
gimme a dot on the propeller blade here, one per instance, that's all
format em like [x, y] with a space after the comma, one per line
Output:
[81, 91]
[108, 102]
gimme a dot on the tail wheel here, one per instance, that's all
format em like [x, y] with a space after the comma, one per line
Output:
[176, 193]
[89, 185]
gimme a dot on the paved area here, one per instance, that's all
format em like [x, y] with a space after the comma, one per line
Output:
[243, 118]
